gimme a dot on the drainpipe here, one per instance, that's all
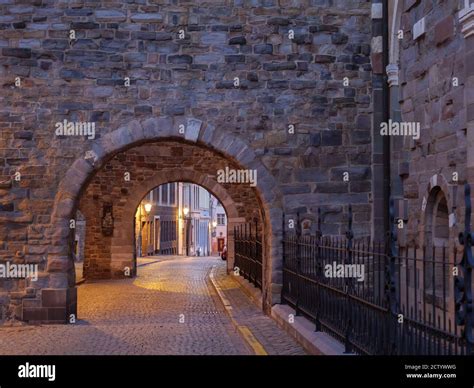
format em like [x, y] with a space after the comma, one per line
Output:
[385, 118]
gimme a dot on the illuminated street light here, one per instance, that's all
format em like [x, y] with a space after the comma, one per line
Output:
[187, 225]
[214, 224]
[148, 207]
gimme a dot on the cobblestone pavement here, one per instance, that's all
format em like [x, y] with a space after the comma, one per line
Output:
[170, 308]
[274, 340]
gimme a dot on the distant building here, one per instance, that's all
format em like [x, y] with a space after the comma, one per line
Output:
[219, 233]
[177, 219]
[157, 233]
[198, 201]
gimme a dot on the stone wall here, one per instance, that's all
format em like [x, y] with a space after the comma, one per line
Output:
[248, 69]
[432, 93]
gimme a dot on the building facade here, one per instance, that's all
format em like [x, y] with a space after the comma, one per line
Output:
[219, 233]
[156, 221]
[177, 219]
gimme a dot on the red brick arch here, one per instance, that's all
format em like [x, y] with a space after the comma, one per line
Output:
[58, 275]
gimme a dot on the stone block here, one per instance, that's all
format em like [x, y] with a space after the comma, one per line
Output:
[234, 58]
[54, 297]
[57, 315]
[238, 40]
[263, 48]
[36, 314]
[147, 17]
[180, 59]
[444, 30]
[109, 15]
[279, 66]
[320, 58]
[193, 128]
[16, 52]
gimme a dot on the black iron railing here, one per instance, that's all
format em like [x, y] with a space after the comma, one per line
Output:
[381, 298]
[248, 252]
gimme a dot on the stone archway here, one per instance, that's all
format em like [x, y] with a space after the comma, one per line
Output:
[58, 278]
[145, 167]
[122, 242]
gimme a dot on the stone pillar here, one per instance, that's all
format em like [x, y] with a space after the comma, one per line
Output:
[397, 147]
[377, 140]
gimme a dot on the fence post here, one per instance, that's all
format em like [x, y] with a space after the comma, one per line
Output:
[391, 283]
[463, 286]
[298, 262]
[248, 235]
[253, 255]
[258, 257]
[283, 236]
[236, 250]
[349, 236]
[243, 243]
[319, 261]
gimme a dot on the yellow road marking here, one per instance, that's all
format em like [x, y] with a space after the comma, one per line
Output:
[246, 333]
[256, 346]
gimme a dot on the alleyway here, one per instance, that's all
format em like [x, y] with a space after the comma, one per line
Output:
[170, 308]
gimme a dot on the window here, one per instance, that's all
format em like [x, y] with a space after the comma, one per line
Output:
[164, 194]
[220, 219]
[156, 195]
[436, 271]
[196, 197]
[173, 194]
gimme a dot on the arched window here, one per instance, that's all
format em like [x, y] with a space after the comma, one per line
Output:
[435, 266]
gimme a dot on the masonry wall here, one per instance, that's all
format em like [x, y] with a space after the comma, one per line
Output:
[432, 92]
[47, 77]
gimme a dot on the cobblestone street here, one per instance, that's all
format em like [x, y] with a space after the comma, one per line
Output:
[170, 308]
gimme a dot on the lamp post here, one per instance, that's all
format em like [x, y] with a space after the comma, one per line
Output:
[186, 228]
[147, 207]
[213, 233]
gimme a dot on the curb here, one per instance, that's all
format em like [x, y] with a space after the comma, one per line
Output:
[253, 293]
[302, 330]
[244, 331]
[151, 262]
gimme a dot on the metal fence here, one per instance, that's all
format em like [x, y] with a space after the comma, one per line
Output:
[248, 252]
[381, 298]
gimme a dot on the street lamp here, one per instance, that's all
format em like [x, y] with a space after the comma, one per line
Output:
[214, 233]
[148, 207]
[186, 228]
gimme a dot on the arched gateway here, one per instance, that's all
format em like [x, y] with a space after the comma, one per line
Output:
[254, 86]
[119, 170]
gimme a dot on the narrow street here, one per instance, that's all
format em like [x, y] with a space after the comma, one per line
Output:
[170, 308]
